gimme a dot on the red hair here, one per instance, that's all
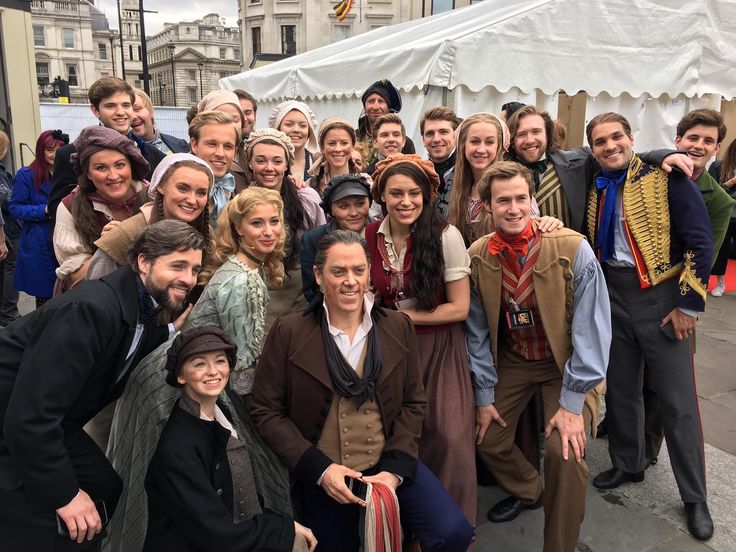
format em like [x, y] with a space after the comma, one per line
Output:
[38, 166]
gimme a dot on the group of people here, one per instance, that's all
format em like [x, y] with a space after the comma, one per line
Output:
[305, 335]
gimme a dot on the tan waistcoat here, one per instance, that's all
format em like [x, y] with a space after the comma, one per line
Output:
[353, 437]
[553, 288]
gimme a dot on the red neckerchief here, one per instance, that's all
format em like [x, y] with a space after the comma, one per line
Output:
[515, 245]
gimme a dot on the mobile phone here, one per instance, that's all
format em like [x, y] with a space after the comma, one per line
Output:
[357, 487]
[63, 530]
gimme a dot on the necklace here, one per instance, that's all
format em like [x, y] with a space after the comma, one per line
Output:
[244, 251]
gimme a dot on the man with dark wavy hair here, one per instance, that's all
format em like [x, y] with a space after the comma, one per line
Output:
[61, 365]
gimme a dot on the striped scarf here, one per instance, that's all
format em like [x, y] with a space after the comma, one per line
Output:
[551, 198]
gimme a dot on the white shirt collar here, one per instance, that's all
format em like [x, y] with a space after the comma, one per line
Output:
[365, 325]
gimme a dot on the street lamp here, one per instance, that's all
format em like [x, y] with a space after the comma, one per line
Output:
[161, 87]
[171, 48]
[200, 66]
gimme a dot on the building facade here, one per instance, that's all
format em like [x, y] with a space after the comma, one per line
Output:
[19, 116]
[72, 41]
[187, 59]
[290, 27]
[131, 50]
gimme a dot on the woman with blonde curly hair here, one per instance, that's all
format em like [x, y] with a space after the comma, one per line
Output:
[248, 248]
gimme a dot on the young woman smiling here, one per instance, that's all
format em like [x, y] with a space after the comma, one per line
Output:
[110, 168]
[298, 122]
[269, 154]
[420, 267]
[179, 188]
[202, 463]
[248, 249]
[336, 141]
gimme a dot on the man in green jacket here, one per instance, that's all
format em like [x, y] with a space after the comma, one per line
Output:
[699, 134]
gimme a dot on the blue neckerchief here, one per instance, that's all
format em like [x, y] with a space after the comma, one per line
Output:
[138, 141]
[221, 192]
[610, 182]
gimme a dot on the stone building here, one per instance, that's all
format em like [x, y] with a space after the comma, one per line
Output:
[197, 54]
[73, 41]
[289, 27]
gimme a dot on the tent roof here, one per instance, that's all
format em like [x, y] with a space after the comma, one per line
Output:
[636, 46]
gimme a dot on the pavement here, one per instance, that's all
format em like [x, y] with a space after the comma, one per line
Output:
[647, 516]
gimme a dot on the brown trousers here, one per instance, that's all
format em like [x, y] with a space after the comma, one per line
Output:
[565, 481]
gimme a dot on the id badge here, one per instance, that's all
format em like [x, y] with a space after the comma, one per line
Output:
[519, 319]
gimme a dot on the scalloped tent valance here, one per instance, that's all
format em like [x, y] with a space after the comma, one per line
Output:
[639, 47]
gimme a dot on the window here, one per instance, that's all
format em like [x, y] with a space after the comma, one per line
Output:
[193, 95]
[102, 47]
[191, 74]
[441, 6]
[38, 36]
[71, 72]
[130, 52]
[342, 32]
[68, 38]
[140, 53]
[222, 53]
[236, 53]
[288, 39]
[256, 40]
[42, 73]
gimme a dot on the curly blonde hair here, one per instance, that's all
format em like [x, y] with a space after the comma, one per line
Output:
[226, 241]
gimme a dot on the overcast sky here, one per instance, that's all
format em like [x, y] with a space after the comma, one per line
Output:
[174, 11]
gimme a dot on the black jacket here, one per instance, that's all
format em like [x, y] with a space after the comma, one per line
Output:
[59, 366]
[177, 145]
[190, 495]
[65, 178]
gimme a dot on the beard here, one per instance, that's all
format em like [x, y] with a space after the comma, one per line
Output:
[163, 298]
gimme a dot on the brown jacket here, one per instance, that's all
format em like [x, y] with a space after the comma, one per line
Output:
[293, 393]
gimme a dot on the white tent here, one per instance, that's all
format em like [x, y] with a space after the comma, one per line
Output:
[651, 60]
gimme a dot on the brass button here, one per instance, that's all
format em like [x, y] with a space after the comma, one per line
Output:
[241, 502]
[346, 456]
[367, 412]
[342, 416]
[370, 452]
[346, 443]
[369, 426]
[370, 440]
[242, 514]
[240, 489]
[344, 430]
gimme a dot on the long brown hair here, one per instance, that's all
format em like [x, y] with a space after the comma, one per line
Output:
[463, 181]
[226, 241]
[728, 165]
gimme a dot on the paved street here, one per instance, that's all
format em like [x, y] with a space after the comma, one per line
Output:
[648, 517]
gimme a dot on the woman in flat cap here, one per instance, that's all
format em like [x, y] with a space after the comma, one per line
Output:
[201, 487]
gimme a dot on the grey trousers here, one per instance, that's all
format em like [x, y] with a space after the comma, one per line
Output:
[638, 339]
